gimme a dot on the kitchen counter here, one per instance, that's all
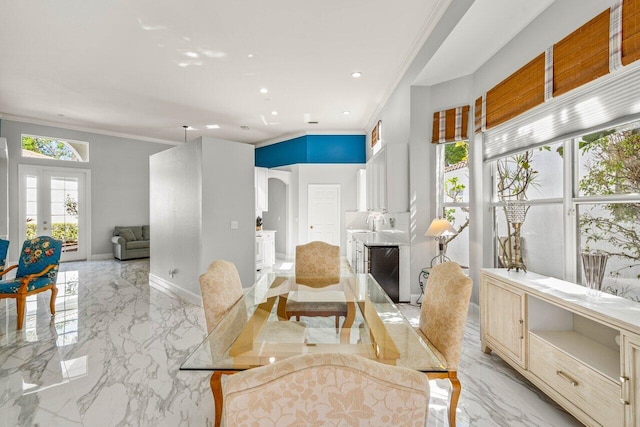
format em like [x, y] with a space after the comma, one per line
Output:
[382, 238]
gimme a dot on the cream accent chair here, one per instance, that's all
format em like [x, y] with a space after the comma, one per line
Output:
[442, 321]
[317, 263]
[221, 289]
[326, 389]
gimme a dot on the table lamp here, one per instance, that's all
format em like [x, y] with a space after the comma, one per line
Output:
[441, 229]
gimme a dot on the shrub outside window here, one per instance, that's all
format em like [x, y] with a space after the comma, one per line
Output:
[601, 202]
[453, 182]
[43, 147]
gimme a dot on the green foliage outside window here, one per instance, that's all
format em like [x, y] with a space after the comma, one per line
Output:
[615, 170]
[456, 153]
[49, 147]
[68, 233]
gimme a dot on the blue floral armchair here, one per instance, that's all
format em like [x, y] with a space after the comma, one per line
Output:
[37, 272]
[4, 248]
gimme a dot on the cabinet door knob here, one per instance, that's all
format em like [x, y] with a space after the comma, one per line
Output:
[311, 227]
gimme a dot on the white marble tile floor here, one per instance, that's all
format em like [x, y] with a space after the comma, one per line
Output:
[111, 357]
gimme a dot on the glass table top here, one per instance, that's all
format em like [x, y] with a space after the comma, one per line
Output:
[255, 331]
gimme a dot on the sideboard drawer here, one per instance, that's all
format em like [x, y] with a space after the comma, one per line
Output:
[596, 395]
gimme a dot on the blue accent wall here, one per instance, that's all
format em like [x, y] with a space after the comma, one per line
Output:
[313, 149]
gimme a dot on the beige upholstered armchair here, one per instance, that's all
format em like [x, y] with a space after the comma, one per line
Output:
[221, 289]
[317, 263]
[317, 260]
[442, 320]
[326, 389]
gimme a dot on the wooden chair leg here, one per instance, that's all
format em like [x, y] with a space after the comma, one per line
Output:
[21, 301]
[52, 302]
[456, 388]
[337, 324]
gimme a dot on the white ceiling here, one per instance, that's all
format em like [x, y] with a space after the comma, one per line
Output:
[487, 27]
[146, 68]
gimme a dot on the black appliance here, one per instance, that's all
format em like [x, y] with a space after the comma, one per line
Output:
[384, 266]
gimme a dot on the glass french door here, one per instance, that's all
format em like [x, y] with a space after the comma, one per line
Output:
[53, 203]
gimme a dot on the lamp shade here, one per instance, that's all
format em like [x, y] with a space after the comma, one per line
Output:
[440, 227]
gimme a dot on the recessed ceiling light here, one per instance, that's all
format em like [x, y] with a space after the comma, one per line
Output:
[274, 113]
[213, 126]
[191, 54]
[346, 113]
[250, 55]
[264, 90]
[356, 74]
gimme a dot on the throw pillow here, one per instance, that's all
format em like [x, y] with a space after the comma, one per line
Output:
[127, 234]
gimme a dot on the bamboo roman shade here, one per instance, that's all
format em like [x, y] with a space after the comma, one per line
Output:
[630, 31]
[516, 94]
[582, 56]
[602, 46]
[450, 125]
[477, 115]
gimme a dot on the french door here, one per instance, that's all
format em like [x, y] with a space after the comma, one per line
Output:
[53, 202]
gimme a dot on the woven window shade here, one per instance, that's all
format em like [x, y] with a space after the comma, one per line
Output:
[516, 94]
[450, 125]
[477, 115]
[582, 56]
[630, 31]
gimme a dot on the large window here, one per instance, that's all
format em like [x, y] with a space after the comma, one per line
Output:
[43, 147]
[453, 200]
[608, 204]
[594, 206]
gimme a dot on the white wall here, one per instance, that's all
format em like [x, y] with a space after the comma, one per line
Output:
[228, 195]
[342, 174]
[119, 179]
[198, 189]
[176, 215]
[4, 190]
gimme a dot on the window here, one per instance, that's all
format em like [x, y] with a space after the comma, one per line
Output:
[42, 147]
[608, 204]
[534, 178]
[453, 182]
[593, 207]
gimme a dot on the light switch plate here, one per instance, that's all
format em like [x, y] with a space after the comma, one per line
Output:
[234, 225]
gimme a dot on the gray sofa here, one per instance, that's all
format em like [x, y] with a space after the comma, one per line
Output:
[131, 242]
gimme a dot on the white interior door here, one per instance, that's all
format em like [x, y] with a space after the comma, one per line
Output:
[54, 203]
[324, 213]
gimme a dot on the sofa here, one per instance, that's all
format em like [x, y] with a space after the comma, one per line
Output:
[131, 242]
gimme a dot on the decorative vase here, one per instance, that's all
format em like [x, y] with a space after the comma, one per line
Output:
[593, 265]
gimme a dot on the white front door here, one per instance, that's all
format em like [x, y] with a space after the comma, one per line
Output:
[324, 213]
[53, 202]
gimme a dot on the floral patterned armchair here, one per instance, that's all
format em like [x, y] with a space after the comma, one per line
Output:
[221, 289]
[442, 320]
[317, 263]
[326, 389]
[37, 272]
[4, 248]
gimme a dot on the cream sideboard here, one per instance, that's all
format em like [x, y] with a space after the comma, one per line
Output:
[582, 352]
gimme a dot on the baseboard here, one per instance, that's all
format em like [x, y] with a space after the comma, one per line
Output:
[98, 257]
[174, 291]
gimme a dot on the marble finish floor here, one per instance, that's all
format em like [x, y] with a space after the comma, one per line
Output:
[111, 357]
